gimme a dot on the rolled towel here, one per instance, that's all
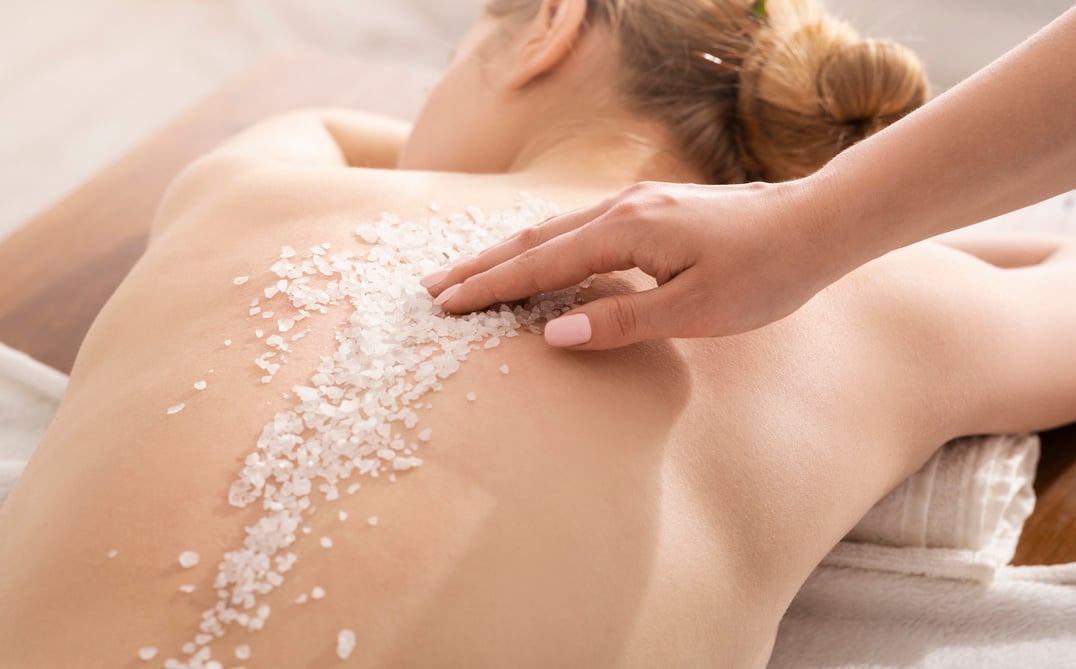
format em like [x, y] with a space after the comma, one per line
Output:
[30, 393]
[963, 512]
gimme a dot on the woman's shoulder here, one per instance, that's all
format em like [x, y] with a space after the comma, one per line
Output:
[224, 188]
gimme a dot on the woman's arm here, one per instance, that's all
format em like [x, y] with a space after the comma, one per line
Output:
[1003, 139]
[327, 137]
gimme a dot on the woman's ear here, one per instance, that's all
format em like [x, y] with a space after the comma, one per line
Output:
[547, 40]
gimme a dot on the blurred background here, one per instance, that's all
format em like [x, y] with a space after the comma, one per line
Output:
[83, 81]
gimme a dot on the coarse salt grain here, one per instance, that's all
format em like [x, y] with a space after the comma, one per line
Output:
[425, 434]
[317, 592]
[472, 396]
[504, 368]
[187, 588]
[342, 515]
[326, 542]
[146, 654]
[113, 553]
[242, 652]
[372, 520]
[173, 410]
[345, 644]
[240, 280]
[188, 559]
[227, 342]
[200, 385]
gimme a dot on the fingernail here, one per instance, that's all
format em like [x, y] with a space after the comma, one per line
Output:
[568, 330]
[447, 295]
[437, 277]
[434, 279]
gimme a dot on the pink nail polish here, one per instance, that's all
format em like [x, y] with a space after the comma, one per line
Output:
[568, 330]
[447, 295]
[434, 278]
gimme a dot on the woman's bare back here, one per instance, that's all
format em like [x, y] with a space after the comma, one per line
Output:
[655, 505]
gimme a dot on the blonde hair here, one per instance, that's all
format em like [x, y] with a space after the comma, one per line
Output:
[754, 90]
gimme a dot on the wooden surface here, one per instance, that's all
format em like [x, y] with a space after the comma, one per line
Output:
[59, 270]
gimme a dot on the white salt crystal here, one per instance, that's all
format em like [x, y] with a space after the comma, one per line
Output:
[472, 396]
[188, 588]
[372, 520]
[287, 252]
[200, 385]
[326, 542]
[342, 515]
[345, 644]
[173, 410]
[504, 368]
[263, 611]
[188, 559]
[254, 311]
[317, 593]
[240, 280]
[203, 639]
[268, 314]
[227, 342]
[113, 553]
[146, 654]
[353, 488]
[260, 333]
[426, 434]
[491, 342]
[242, 652]
[285, 324]
[301, 599]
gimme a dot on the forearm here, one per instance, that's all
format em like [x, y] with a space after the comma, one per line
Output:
[1003, 139]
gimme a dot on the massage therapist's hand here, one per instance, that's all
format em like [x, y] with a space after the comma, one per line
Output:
[726, 259]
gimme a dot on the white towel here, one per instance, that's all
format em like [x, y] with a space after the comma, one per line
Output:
[30, 394]
[959, 516]
[860, 619]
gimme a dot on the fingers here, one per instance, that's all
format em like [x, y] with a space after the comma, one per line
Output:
[518, 243]
[563, 261]
[628, 318]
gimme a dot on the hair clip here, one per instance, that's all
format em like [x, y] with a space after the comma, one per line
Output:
[711, 58]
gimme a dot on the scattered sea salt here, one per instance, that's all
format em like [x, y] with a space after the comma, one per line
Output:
[113, 553]
[200, 385]
[242, 652]
[472, 396]
[353, 488]
[146, 654]
[342, 515]
[326, 542]
[173, 410]
[188, 559]
[345, 644]
[188, 588]
[287, 252]
[391, 349]
[259, 333]
[504, 368]
[227, 342]
[301, 599]
[240, 280]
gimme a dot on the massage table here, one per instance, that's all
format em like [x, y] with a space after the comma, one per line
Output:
[60, 268]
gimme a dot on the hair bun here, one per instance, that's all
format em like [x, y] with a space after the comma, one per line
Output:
[808, 95]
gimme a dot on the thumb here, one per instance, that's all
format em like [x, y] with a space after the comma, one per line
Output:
[620, 320]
